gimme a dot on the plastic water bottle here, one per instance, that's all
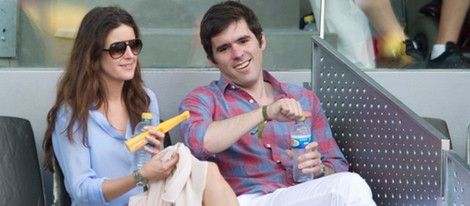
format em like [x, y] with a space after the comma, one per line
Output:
[301, 136]
[309, 23]
[141, 156]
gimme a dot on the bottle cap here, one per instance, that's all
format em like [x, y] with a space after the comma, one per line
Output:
[308, 18]
[146, 115]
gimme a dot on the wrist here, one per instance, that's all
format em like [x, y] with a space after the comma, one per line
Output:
[322, 170]
[264, 111]
[139, 179]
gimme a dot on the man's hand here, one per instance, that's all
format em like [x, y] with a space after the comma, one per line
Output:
[285, 110]
[310, 161]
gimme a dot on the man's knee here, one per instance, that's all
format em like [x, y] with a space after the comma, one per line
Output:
[353, 179]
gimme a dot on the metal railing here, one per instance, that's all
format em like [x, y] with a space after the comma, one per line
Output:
[397, 152]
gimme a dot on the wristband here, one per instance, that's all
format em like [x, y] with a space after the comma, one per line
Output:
[322, 170]
[140, 180]
[265, 113]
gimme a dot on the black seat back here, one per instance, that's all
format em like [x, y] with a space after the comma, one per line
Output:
[19, 169]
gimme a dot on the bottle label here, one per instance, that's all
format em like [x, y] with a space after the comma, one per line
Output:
[299, 142]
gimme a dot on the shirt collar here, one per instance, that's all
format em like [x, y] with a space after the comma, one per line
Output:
[223, 84]
[279, 88]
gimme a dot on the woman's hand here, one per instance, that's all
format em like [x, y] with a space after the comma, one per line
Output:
[157, 168]
[156, 139]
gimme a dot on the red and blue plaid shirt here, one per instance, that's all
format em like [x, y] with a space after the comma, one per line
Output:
[252, 165]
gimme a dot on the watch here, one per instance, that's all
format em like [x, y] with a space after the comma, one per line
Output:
[322, 170]
[139, 179]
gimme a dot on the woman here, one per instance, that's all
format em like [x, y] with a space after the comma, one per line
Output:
[100, 99]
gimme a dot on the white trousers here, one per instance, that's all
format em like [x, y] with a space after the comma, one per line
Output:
[343, 188]
[348, 21]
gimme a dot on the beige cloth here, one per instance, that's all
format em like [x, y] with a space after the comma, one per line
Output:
[184, 187]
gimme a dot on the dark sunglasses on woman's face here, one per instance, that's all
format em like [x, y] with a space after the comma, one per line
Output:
[117, 49]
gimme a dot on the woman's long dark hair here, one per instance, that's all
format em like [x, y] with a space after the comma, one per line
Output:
[81, 85]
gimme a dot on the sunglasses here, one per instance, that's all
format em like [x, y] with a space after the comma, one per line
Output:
[117, 49]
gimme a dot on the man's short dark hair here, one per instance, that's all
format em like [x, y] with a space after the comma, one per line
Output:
[220, 16]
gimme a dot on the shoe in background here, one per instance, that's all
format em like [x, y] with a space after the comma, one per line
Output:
[451, 58]
[393, 53]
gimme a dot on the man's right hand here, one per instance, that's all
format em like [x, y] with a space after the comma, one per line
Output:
[285, 110]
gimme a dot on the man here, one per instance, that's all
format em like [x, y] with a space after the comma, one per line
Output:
[242, 122]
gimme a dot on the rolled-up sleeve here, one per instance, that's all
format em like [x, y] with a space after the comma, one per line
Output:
[193, 130]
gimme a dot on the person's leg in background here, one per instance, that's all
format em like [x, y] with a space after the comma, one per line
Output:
[383, 18]
[346, 19]
[445, 53]
[393, 44]
[349, 19]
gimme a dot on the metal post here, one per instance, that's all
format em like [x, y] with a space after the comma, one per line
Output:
[322, 19]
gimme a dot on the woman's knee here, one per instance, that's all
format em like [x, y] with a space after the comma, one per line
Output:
[213, 170]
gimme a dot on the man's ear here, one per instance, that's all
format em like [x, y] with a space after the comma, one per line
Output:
[263, 41]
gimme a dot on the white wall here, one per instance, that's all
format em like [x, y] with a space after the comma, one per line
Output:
[443, 94]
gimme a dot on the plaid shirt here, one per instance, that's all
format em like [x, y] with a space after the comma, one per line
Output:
[252, 165]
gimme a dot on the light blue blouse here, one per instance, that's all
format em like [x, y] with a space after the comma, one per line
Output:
[104, 157]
